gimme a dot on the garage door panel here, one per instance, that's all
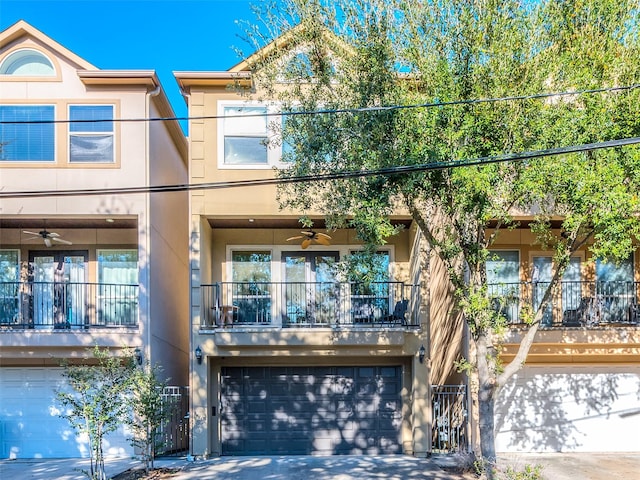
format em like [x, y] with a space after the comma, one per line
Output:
[312, 410]
[581, 409]
[30, 426]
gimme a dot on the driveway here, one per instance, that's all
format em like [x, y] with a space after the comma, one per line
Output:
[580, 466]
[389, 467]
[556, 466]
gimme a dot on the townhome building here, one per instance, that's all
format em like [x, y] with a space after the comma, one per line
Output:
[78, 271]
[287, 356]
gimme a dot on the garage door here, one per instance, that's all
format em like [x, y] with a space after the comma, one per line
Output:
[314, 410]
[29, 423]
[570, 409]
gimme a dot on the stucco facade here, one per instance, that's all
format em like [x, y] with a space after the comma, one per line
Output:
[148, 230]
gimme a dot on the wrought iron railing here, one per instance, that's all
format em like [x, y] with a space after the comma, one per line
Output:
[572, 303]
[57, 305]
[309, 304]
[450, 419]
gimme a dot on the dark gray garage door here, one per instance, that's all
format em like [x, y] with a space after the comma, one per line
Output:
[311, 410]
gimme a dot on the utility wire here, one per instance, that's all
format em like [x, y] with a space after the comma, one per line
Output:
[436, 104]
[399, 170]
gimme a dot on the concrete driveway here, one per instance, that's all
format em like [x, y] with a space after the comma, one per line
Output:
[580, 466]
[390, 467]
[556, 466]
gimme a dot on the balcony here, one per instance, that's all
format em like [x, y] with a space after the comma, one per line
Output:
[573, 304]
[309, 304]
[55, 305]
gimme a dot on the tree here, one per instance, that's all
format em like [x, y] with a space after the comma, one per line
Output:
[420, 52]
[98, 401]
[150, 412]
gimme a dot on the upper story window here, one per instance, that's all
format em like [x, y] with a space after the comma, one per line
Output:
[245, 136]
[503, 267]
[27, 63]
[91, 133]
[27, 142]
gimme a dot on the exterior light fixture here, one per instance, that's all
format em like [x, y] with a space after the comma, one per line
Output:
[421, 353]
[198, 353]
[137, 354]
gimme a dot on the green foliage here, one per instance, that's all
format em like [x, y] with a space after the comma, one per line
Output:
[372, 53]
[98, 401]
[150, 412]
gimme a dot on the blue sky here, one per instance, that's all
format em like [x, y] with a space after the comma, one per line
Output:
[160, 35]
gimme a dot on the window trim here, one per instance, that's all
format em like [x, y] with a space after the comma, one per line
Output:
[8, 77]
[70, 133]
[274, 151]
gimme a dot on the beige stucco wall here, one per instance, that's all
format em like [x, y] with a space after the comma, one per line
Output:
[161, 236]
[168, 240]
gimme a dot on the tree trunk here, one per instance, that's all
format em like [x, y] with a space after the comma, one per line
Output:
[487, 434]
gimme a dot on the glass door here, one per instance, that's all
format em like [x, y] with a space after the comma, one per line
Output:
[571, 288]
[311, 290]
[58, 290]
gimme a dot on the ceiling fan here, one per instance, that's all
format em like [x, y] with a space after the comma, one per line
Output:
[48, 237]
[310, 237]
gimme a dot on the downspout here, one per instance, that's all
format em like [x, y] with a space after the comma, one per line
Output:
[147, 219]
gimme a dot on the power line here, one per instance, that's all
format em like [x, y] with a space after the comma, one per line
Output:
[398, 170]
[436, 104]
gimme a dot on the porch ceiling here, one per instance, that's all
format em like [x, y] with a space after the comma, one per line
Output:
[52, 223]
[290, 223]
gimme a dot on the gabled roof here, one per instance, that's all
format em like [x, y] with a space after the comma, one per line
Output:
[240, 74]
[288, 41]
[22, 29]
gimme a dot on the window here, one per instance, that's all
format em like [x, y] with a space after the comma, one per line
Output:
[117, 291]
[91, 140]
[27, 142]
[247, 136]
[615, 289]
[245, 139]
[250, 291]
[503, 280]
[9, 287]
[27, 63]
[503, 267]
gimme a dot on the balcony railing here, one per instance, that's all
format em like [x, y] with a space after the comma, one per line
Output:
[309, 304]
[46, 305]
[572, 304]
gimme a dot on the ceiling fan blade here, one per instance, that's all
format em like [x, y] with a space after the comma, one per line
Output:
[308, 233]
[60, 240]
[294, 238]
[32, 238]
[306, 242]
[323, 235]
[47, 242]
[323, 241]
[36, 234]
[52, 234]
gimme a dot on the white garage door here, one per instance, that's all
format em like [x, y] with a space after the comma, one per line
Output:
[570, 409]
[29, 423]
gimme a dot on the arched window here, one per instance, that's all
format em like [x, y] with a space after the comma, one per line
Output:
[27, 63]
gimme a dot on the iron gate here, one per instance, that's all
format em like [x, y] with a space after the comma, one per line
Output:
[174, 434]
[450, 418]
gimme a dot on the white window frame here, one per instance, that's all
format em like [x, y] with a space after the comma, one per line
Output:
[81, 133]
[274, 151]
[8, 60]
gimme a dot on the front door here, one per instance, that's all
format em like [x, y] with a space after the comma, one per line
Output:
[311, 290]
[58, 280]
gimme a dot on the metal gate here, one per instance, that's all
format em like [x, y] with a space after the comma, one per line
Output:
[450, 419]
[174, 435]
